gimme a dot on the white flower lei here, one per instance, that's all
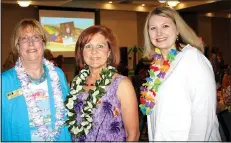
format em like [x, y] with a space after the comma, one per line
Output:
[94, 95]
[33, 109]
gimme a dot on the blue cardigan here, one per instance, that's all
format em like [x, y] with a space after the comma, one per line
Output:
[15, 120]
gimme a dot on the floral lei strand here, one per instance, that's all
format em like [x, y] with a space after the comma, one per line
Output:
[81, 130]
[33, 109]
[157, 73]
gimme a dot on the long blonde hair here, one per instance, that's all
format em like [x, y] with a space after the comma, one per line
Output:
[186, 34]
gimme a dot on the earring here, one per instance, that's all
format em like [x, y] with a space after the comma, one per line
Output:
[85, 65]
[177, 42]
[108, 61]
[177, 39]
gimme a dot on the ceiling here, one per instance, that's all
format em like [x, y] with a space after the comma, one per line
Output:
[135, 5]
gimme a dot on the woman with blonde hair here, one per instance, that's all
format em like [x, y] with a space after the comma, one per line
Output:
[179, 96]
[33, 91]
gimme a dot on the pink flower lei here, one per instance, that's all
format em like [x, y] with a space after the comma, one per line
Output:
[37, 118]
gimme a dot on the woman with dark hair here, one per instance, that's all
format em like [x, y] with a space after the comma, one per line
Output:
[102, 102]
[59, 61]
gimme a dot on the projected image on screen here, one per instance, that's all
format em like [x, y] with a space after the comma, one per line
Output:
[64, 31]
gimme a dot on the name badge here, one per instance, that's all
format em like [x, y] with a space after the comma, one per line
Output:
[13, 94]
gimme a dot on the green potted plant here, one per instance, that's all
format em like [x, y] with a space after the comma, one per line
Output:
[135, 49]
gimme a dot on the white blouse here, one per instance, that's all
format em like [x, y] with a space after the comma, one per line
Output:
[186, 101]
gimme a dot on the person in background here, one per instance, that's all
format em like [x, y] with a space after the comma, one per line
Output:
[59, 61]
[226, 86]
[141, 72]
[179, 95]
[220, 60]
[213, 58]
[221, 67]
[48, 55]
[33, 91]
[10, 61]
[122, 69]
[101, 102]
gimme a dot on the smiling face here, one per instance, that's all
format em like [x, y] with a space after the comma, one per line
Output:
[96, 52]
[162, 31]
[30, 46]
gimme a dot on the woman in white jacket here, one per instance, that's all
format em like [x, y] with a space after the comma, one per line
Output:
[179, 96]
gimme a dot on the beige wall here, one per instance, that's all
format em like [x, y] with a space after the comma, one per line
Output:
[124, 25]
[221, 33]
[128, 27]
[141, 19]
[216, 32]
[205, 29]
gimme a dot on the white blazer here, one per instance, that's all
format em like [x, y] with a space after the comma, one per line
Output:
[186, 101]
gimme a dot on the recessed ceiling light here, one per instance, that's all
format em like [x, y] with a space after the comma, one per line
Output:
[143, 5]
[162, 1]
[173, 3]
[24, 3]
[110, 2]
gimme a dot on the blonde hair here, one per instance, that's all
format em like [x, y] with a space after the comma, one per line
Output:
[186, 34]
[27, 25]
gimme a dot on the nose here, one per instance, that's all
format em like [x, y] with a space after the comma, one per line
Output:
[93, 49]
[158, 31]
[30, 41]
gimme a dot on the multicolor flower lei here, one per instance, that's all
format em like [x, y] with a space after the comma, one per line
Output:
[157, 73]
[32, 107]
[81, 130]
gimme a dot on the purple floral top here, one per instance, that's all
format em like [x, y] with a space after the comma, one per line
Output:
[107, 118]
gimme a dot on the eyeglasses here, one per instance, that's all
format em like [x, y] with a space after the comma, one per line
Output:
[27, 39]
[99, 47]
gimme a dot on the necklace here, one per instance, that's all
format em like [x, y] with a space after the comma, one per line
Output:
[157, 73]
[33, 110]
[38, 81]
[81, 130]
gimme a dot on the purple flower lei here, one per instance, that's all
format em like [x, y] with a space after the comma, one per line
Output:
[37, 117]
